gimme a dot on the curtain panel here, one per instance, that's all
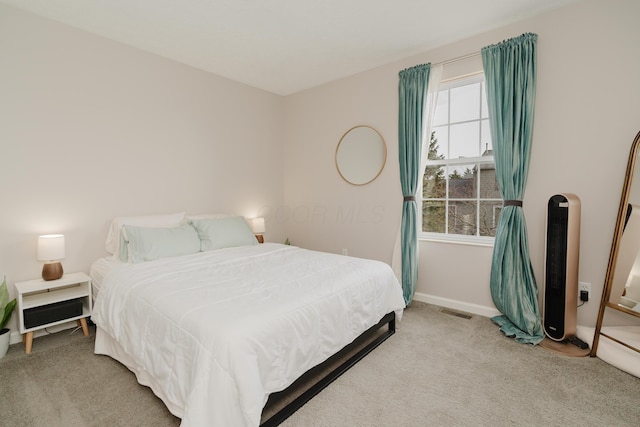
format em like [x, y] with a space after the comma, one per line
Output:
[412, 92]
[510, 72]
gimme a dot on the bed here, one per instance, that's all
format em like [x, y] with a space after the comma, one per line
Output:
[215, 323]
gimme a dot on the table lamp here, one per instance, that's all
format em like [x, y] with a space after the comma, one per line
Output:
[257, 226]
[51, 251]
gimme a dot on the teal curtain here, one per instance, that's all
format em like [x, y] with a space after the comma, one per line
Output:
[510, 71]
[412, 91]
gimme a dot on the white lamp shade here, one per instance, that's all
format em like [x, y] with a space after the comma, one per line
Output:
[257, 225]
[51, 247]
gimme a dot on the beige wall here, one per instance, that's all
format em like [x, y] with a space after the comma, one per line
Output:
[91, 129]
[586, 117]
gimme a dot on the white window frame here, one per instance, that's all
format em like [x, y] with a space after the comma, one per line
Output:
[457, 238]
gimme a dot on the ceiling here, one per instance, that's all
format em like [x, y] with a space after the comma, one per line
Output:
[285, 46]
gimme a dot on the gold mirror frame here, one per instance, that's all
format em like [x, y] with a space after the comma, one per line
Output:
[605, 301]
[361, 155]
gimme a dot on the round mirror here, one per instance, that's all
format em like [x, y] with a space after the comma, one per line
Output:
[361, 155]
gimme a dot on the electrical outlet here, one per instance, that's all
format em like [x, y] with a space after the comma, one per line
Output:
[584, 286]
[345, 251]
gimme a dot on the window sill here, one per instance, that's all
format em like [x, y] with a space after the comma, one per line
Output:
[457, 240]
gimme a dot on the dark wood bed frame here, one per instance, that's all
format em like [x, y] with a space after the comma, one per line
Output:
[365, 345]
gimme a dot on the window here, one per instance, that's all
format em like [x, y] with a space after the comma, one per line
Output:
[460, 195]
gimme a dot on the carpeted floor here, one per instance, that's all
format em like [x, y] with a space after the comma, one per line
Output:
[437, 369]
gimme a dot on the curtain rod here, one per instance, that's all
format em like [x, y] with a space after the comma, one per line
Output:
[459, 58]
[464, 76]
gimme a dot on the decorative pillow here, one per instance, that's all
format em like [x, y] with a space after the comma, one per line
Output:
[224, 233]
[149, 243]
[114, 244]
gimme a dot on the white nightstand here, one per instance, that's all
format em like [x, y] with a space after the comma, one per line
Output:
[42, 304]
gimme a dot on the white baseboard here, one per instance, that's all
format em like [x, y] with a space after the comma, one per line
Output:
[480, 310]
[15, 338]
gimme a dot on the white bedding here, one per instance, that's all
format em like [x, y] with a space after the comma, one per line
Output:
[214, 333]
[99, 269]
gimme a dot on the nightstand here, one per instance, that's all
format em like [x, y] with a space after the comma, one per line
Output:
[42, 304]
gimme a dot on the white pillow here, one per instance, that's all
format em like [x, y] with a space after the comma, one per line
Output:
[224, 232]
[150, 243]
[114, 246]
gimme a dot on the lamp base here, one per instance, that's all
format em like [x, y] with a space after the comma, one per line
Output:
[52, 271]
[260, 238]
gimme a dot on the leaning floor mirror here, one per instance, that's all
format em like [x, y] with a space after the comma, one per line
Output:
[616, 338]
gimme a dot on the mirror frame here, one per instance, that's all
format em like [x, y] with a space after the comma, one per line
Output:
[615, 246]
[384, 157]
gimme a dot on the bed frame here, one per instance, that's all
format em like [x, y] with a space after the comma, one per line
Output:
[362, 346]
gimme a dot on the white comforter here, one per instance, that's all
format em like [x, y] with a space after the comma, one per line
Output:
[219, 331]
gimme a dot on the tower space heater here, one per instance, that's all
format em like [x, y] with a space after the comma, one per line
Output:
[561, 266]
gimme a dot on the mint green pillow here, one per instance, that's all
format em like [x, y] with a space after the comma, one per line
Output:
[218, 233]
[149, 243]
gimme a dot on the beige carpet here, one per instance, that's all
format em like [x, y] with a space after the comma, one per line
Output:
[437, 370]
